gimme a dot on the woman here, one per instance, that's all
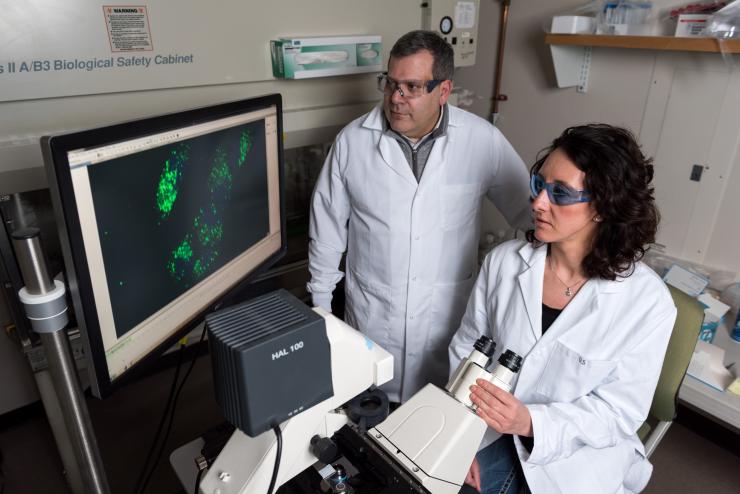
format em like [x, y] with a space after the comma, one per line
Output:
[590, 319]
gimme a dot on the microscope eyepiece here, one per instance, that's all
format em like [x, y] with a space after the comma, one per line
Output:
[485, 345]
[511, 361]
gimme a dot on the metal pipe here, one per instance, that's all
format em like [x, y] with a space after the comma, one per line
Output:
[50, 400]
[74, 410]
[31, 261]
[503, 23]
[44, 303]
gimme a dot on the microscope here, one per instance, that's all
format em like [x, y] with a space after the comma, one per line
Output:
[341, 441]
[435, 435]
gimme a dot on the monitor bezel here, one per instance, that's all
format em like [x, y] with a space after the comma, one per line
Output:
[55, 151]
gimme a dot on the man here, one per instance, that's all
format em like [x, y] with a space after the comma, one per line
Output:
[401, 191]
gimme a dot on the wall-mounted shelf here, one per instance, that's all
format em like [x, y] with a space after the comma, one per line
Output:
[669, 43]
[571, 53]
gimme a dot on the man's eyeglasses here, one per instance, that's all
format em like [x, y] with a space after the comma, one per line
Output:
[558, 193]
[407, 89]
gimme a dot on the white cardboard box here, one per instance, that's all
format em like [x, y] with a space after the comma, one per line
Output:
[690, 25]
[301, 58]
[573, 24]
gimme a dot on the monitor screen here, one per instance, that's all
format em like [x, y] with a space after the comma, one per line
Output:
[160, 218]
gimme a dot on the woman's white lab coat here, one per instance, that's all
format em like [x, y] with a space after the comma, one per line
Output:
[411, 247]
[588, 382]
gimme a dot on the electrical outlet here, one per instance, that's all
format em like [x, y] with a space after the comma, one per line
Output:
[696, 172]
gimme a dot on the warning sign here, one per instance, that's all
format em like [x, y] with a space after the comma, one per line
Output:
[128, 28]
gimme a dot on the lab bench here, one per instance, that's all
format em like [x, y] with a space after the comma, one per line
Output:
[717, 405]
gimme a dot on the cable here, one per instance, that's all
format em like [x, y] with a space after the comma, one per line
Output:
[2, 474]
[172, 416]
[279, 435]
[168, 404]
[197, 480]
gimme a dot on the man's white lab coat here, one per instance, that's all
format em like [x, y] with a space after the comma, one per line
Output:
[588, 382]
[411, 247]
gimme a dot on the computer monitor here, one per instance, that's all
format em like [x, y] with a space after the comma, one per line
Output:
[160, 218]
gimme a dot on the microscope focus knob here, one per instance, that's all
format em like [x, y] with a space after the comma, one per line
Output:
[324, 449]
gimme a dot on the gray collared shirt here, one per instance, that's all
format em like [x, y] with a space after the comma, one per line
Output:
[417, 154]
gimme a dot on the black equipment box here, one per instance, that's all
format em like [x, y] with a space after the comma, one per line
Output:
[271, 360]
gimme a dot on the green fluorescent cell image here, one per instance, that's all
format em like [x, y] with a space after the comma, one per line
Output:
[184, 250]
[176, 209]
[198, 252]
[180, 258]
[220, 178]
[166, 189]
[208, 227]
[203, 263]
[198, 268]
[245, 145]
[169, 180]
[195, 256]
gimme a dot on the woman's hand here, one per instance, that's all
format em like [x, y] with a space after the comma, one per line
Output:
[500, 409]
[473, 477]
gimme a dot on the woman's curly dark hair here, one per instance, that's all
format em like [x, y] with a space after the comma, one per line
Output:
[618, 177]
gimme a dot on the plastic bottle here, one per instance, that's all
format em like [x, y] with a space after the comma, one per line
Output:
[731, 296]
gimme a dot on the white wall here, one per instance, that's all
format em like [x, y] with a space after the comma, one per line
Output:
[631, 88]
[231, 43]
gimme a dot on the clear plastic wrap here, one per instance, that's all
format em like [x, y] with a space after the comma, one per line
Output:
[625, 17]
[718, 278]
[725, 23]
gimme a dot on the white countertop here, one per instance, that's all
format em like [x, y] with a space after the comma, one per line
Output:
[724, 406]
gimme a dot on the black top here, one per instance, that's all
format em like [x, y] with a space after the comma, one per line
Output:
[548, 316]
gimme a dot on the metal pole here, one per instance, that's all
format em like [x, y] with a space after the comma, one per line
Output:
[503, 22]
[45, 305]
[59, 429]
[74, 410]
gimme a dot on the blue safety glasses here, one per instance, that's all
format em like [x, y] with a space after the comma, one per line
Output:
[558, 193]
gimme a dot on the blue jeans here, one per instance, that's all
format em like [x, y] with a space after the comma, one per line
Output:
[500, 470]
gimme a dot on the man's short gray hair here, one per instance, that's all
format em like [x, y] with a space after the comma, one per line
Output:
[413, 42]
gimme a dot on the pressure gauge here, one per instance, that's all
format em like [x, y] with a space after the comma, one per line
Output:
[445, 25]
